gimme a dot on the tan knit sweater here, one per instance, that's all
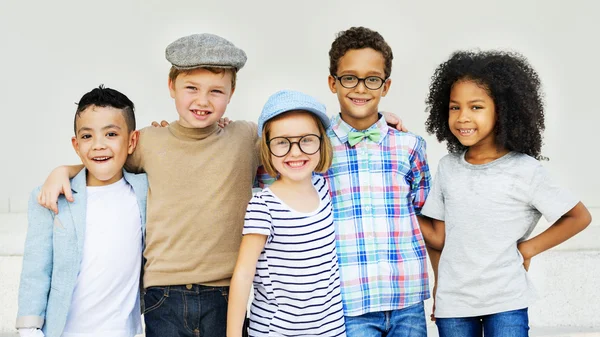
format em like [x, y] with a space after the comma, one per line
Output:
[200, 182]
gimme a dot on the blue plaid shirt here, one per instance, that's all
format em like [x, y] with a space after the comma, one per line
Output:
[377, 191]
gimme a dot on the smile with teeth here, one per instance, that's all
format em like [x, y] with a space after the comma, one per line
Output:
[296, 164]
[201, 112]
[101, 158]
[466, 132]
[359, 101]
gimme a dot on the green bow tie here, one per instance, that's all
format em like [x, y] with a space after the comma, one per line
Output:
[355, 137]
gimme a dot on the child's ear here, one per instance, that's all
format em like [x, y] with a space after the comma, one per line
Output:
[331, 82]
[133, 141]
[386, 87]
[231, 94]
[75, 144]
[171, 88]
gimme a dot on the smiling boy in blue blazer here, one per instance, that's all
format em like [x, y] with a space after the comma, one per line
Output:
[81, 267]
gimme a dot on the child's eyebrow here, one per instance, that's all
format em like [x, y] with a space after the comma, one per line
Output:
[471, 101]
[354, 72]
[198, 85]
[109, 126]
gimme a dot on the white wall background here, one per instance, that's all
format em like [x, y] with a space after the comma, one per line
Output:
[51, 52]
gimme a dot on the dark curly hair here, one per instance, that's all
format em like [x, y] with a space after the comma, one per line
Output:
[514, 87]
[359, 38]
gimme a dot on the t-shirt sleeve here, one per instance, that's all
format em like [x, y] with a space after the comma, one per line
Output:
[434, 205]
[258, 217]
[421, 176]
[549, 198]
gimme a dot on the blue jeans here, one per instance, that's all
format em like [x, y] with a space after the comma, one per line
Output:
[407, 322]
[186, 311]
[513, 323]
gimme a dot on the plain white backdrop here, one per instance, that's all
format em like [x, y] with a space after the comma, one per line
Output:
[52, 52]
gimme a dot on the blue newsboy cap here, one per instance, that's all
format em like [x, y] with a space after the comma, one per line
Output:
[288, 100]
[204, 50]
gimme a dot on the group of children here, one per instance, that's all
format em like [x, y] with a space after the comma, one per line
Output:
[335, 245]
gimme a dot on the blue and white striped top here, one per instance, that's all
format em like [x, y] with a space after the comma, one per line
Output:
[297, 283]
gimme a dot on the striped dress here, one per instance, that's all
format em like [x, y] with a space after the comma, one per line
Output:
[296, 285]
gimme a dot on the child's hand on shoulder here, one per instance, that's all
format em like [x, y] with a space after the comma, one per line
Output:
[56, 184]
[394, 121]
[163, 124]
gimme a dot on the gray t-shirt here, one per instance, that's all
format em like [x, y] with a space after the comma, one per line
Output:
[488, 209]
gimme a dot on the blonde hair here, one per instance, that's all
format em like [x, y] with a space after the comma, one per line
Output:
[325, 149]
[174, 72]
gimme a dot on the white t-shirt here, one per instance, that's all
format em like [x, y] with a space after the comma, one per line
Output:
[488, 209]
[297, 281]
[106, 298]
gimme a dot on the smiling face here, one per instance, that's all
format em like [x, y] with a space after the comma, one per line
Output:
[359, 105]
[472, 115]
[103, 143]
[201, 96]
[295, 166]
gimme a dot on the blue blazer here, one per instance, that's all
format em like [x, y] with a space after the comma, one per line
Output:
[52, 258]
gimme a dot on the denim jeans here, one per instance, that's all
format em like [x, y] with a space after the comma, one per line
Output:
[407, 322]
[513, 323]
[186, 310]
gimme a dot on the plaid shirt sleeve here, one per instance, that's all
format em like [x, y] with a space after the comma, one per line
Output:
[263, 179]
[421, 182]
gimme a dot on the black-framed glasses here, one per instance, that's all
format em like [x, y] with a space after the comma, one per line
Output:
[281, 146]
[351, 81]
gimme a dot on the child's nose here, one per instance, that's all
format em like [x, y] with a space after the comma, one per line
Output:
[99, 143]
[360, 87]
[295, 149]
[201, 99]
[464, 115]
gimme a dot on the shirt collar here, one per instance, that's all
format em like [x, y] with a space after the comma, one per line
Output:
[341, 128]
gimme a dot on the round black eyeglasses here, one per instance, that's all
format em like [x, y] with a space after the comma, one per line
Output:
[351, 81]
[281, 146]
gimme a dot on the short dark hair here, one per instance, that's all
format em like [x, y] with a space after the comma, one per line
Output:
[359, 38]
[107, 97]
[509, 80]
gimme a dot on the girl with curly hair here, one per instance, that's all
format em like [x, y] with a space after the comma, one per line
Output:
[489, 193]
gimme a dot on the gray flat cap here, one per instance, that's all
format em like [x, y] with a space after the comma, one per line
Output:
[204, 50]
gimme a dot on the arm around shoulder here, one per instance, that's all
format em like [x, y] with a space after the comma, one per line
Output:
[57, 183]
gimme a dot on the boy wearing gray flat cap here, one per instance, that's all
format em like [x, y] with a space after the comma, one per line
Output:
[200, 177]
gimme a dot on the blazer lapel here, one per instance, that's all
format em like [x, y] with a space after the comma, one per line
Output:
[79, 207]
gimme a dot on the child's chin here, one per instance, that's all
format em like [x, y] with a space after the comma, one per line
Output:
[104, 176]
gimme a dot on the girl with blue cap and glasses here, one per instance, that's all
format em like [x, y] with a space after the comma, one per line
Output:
[288, 249]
